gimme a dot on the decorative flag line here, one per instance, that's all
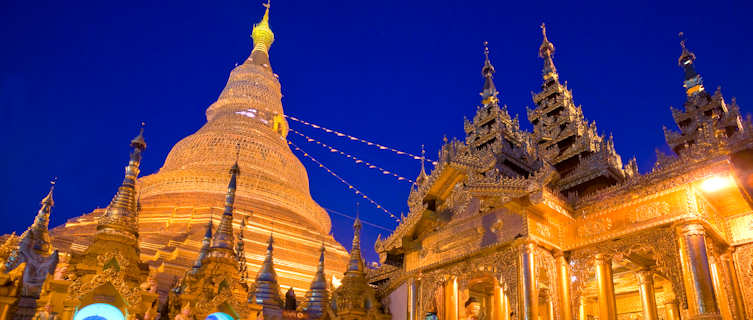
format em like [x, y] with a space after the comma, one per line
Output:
[350, 186]
[354, 218]
[345, 135]
[355, 159]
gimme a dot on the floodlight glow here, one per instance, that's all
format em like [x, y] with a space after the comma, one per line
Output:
[99, 311]
[715, 183]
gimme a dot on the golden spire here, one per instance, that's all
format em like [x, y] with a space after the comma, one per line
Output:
[223, 237]
[121, 214]
[267, 292]
[240, 253]
[38, 234]
[262, 34]
[355, 264]
[317, 299]
[489, 93]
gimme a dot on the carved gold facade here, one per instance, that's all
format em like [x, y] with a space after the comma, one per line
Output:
[551, 225]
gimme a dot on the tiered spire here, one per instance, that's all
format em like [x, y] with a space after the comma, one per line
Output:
[317, 298]
[223, 237]
[565, 138]
[240, 253]
[267, 289]
[693, 82]
[122, 213]
[205, 243]
[489, 93]
[355, 264]
[263, 39]
[38, 234]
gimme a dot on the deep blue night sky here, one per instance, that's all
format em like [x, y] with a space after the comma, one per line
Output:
[77, 77]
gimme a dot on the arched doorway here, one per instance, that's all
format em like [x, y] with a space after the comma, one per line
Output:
[219, 316]
[99, 311]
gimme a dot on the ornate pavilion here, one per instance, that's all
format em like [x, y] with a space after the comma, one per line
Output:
[509, 224]
[551, 224]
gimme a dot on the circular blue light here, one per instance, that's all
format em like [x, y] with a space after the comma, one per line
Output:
[219, 316]
[99, 311]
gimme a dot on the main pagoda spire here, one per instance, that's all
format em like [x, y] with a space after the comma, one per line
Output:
[263, 39]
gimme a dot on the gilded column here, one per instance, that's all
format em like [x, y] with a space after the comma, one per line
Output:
[723, 301]
[451, 299]
[648, 296]
[697, 272]
[413, 300]
[528, 298]
[607, 301]
[563, 287]
[728, 265]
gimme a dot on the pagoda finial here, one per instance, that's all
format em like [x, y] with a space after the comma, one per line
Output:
[546, 52]
[489, 92]
[693, 82]
[122, 213]
[422, 175]
[263, 37]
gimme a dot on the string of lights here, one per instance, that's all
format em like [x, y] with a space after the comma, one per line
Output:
[354, 218]
[350, 186]
[354, 158]
[345, 135]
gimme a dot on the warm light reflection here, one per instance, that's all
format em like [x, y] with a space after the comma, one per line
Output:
[336, 282]
[716, 183]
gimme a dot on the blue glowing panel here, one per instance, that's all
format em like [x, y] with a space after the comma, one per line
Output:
[219, 316]
[99, 311]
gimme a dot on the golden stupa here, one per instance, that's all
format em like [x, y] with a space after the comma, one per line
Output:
[176, 203]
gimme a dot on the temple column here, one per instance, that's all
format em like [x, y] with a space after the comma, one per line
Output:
[648, 296]
[607, 301]
[68, 312]
[451, 299]
[728, 265]
[671, 305]
[723, 301]
[697, 272]
[582, 308]
[563, 286]
[413, 300]
[528, 298]
[498, 303]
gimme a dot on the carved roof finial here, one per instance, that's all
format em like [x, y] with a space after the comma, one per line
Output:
[489, 92]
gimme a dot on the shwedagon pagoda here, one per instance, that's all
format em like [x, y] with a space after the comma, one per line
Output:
[508, 224]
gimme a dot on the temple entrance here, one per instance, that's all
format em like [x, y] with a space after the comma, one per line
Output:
[483, 293]
[99, 311]
[219, 316]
